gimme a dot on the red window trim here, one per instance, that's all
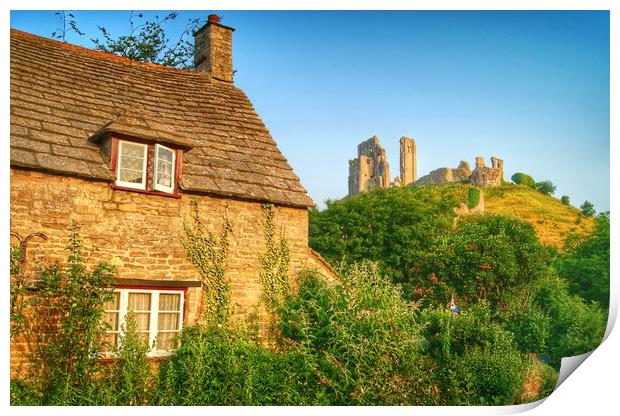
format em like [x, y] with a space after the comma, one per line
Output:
[150, 148]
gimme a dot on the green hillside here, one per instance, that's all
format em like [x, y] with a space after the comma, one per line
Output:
[552, 220]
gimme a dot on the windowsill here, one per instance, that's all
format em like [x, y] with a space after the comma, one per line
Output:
[161, 356]
[144, 191]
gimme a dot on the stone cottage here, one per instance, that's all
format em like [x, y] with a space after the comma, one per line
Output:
[121, 147]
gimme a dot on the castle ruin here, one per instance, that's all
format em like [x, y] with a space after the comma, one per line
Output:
[371, 170]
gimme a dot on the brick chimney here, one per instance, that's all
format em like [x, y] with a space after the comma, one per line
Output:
[213, 49]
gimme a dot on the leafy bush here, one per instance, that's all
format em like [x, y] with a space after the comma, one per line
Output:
[523, 179]
[473, 197]
[478, 360]
[369, 335]
[586, 263]
[546, 187]
[587, 209]
[575, 326]
[392, 227]
[63, 328]
[215, 367]
[128, 380]
[484, 258]
[565, 199]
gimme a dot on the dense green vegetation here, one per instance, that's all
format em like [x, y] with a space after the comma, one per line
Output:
[523, 179]
[586, 263]
[382, 332]
[587, 209]
[392, 227]
[546, 187]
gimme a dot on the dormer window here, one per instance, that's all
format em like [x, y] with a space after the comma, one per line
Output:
[144, 154]
[145, 166]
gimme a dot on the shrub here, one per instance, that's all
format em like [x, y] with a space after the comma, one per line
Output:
[216, 367]
[575, 326]
[392, 227]
[128, 380]
[523, 179]
[369, 335]
[473, 197]
[546, 187]
[484, 258]
[586, 263]
[478, 360]
[63, 327]
[587, 209]
[565, 200]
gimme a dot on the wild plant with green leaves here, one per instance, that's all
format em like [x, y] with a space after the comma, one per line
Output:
[129, 379]
[63, 329]
[274, 262]
[209, 253]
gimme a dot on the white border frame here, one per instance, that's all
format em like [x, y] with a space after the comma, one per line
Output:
[157, 186]
[141, 185]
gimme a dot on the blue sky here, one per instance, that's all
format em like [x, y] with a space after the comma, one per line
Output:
[529, 87]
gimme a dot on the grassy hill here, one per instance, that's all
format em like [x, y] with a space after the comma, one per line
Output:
[552, 220]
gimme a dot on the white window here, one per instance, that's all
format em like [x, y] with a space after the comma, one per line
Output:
[131, 169]
[164, 169]
[159, 317]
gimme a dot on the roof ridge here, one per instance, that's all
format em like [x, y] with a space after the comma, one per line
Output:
[101, 54]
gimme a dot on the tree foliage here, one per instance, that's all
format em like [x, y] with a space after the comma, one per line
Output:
[392, 227]
[565, 199]
[586, 263]
[587, 209]
[546, 187]
[147, 41]
[484, 258]
[523, 179]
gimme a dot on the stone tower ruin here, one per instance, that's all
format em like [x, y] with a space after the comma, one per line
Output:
[408, 168]
[371, 169]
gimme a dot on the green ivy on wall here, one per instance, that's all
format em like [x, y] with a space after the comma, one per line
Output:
[209, 253]
[274, 263]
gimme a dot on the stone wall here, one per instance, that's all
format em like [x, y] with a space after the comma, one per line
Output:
[446, 175]
[487, 176]
[142, 233]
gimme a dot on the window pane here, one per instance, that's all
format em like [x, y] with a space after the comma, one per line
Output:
[111, 318]
[143, 321]
[168, 321]
[113, 304]
[139, 302]
[164, 154]
[132, 149]
[165, 180]
[131, 162]
[167, 341]
[169, 302]
[165, 167]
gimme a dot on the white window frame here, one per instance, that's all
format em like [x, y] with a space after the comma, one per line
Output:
[154, 316]
[157, 186]
[141, 185]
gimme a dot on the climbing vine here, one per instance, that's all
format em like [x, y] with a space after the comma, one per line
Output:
[274, 262]
[209, 253]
